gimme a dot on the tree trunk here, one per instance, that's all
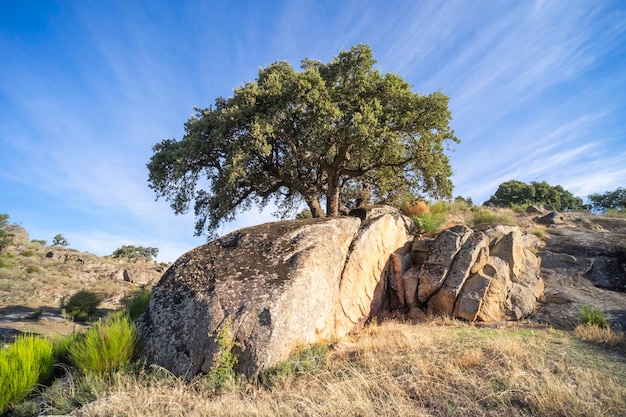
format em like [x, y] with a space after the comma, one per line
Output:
[332, 198]
[315, 207]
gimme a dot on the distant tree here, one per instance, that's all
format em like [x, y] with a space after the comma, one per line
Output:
[41, 242]
[137, 252]
[610, 200]
[59, 240]
[311, 136]
[468, 201]
[517, 192]
[6, 238]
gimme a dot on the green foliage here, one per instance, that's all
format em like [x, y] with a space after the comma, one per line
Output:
[223, 370]
[28, 252]
[82, 306]
[137, 303]
[301, 362]
[433, 219]
[59, 240]
[131, 251]
[107, 346]
[6, 238]
[39, 241]
[429, 222]
[30, 269]
[518, 193]
[538, 233]
[610, 200]
[25, 363]
[484, 216]
[594, 316]
[309, 136]
[616, 213]
[304, 214]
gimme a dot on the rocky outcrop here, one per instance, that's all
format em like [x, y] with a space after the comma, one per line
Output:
[276, 285]
[284, 284]
[583, 263]
[19, 234]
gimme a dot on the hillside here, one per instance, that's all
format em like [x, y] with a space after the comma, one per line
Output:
[35, 279]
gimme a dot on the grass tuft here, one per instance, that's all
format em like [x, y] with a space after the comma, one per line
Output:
[106, 347]
[25, 363]
[593, 316]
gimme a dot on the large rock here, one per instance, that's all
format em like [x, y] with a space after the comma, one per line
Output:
[20, 235]
[584, 263]
[477, 246]
[437, 265]
[276, 285]
[363, 291]
[281, 285]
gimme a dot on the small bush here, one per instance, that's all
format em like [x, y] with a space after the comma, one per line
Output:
[31, 269]
[106, 347]
[594, 316]
[538, 233]
[25, 363]
[484, 216]
[429, 222]
[137, 303]
[416, 208]
[82, 306]
[28, 252]
[616, 213]
[519, 208]
[222, 372]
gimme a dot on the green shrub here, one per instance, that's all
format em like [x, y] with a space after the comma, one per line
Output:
[28, 252]
[32, 269]
[519, 208]
[538, 233]
[25, 363]
[82, 306]
[223, 370]
[594, 316]
[484, 216]
[429, 222]
[106, 347]
[137, 303]
[616, 213]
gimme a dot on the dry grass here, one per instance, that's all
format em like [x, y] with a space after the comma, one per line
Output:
[442, 368]
[601, 335]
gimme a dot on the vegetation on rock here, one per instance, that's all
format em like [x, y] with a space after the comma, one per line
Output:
[59, 240]
[340, 132]
[82, 306]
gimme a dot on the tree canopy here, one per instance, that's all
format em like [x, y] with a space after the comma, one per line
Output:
[332, 133]
[610, 200]
[6, 238]
[131, 251]
[59, 240]
[517, 192]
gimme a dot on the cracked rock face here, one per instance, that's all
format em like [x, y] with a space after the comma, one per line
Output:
[285, 284]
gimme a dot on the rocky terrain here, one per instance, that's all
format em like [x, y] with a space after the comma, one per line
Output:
[35, 279]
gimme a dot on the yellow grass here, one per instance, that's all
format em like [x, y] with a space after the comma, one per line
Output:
[442, 368]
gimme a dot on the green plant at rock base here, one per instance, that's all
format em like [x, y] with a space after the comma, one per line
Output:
[106, 347]
[301, 362]
[222, 371]
[26, 362]
[137, 303]
[484, 216]
[81, 306]
[592, 315]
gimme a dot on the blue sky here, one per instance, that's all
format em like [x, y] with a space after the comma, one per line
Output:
[537, 89]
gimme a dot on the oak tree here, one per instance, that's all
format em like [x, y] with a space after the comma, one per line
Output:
[332, 133]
